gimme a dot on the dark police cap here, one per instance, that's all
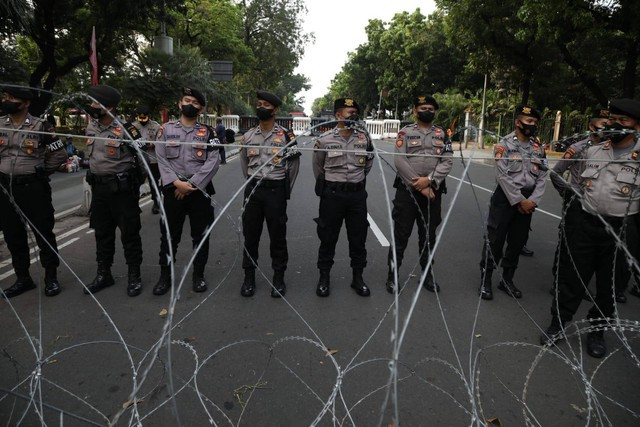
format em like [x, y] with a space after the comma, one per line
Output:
[269, 97]
[425, 100]
[527, 110]
[626, 107]
[189, 91]
[344, 103]
[105, 95]
[19, 92]
[142, 109]
[597, 112]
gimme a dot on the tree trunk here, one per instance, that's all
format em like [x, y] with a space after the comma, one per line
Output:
[630, 67]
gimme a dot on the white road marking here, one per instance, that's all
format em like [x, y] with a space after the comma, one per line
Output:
[68, 211]
[491, 191]
[378, 233]
[11, 272]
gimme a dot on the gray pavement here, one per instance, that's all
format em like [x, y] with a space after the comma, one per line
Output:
[263, 361]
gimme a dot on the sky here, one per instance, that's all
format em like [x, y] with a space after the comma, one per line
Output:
[338, 27]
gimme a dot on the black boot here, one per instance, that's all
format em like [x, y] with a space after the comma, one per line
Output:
[155, 209]
[323, 289]
[485, 284]
[429, 283]
[506, 284]
[621, 298]
[249, 284]
[164, 282]
[103, 279]
[596, 346]
[199, 284]
[134, 285]
[279, 287]
[51, 284]
[358, 283]
[553, 334]
[23, 283]
[391, 285]
[525, 251]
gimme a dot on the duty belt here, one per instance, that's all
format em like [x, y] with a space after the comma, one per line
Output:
[267, 183]
[106, 179]
[345, 186]
[614, 221]
[18, 179]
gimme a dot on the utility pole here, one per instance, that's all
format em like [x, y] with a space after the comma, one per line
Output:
[484, 102]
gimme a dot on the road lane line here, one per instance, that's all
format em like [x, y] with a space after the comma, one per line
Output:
[67, 243]
[68, 211]
[378, 233]
[491, 191]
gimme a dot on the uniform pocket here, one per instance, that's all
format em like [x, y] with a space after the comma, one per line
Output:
[172, 150]
[199, 152]
[112, 149]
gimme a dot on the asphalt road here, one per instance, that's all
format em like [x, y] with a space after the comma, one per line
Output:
[267, 362]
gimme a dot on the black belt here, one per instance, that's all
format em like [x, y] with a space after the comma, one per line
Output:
[106, 179]
[614, 221]
[345, 186]
[19, 179]
[267, 183]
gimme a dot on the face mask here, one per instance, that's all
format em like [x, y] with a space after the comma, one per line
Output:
[264, 113]
[94, 112]
[189, 111]
[426, 116]
[528, 130]
[615, 137]
[10, 107]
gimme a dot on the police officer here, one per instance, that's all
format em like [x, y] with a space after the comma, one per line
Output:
[611, 200]
[188, 161]
[272, 168]
[115, 184]
[570, 190]
[148, 130]
[27, 158]
[521, 171]
[341, 161]
[419, 186]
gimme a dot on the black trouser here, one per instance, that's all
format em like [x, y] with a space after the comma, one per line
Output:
[410, 207]
[111, 208]
[155, 175]
[267, 203]
[591, 249]
[198, 207]
[571, 208]
[33, 197]
[505, 223]
[335, 206]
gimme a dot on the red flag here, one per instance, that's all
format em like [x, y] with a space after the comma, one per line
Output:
[93, 58]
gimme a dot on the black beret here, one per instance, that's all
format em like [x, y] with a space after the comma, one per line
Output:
[625, 107]
[19, 92]
[425, 100]
[142, 109]
[597, 112]
[527, 110]
[105, 95]
[269, 97]
[189, 91]
[345, 102]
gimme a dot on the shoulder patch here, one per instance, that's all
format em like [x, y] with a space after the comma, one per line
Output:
[498, 151]
[399, 142]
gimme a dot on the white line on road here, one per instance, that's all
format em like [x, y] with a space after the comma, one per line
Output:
[491, 191]
[68, 211]
[378, 233]
[67, 243]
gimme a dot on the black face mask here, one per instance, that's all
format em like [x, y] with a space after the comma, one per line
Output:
[264, 113]
[94, 112]
[615, 137]
[10, 107]
[528, 130]
[353, 118]
[189, 111]
[426, 116]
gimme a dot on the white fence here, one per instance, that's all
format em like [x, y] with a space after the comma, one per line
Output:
[300, 124]
[229, 122]
[375, 128]
[391, 128]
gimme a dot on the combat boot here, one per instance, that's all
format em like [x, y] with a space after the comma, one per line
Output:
[23, 283]
[596, 347]
[199, 284]
[155, 209]
[553, 334]
[279, 287]
[485, 284]
[323, 289]
[249, 284]
[134, 285]
[51, 284]
[358, 284]
[429, 283]
[103, 279]
[391, 285]
[506, 284]
[164, 282]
